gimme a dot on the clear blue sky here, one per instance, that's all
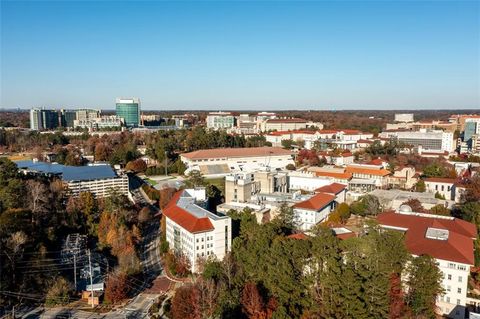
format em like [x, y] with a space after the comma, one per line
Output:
[241, 54]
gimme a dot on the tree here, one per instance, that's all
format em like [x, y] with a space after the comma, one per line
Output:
[195, 179]
[440, 210]
[38, 194]
[420, 186]
[287, 144]
[396, 296]
[367, 205]
[415, 205]
[285, 221]
[185, 303]
[136, 166]
[116, 287]
[252, 302]
[424, 285]
[58, 292]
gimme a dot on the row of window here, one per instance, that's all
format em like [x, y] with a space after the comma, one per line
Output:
[449, 277]
[455, 266]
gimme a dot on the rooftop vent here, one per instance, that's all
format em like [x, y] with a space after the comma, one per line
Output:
[405, 209]
[437, 233]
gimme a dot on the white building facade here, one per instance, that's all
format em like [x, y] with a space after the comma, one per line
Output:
[194, 232]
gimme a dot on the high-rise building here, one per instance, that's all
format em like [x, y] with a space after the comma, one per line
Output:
[87, 114]
[129, 110]
[67, 117]
[470, 130]
[41, 119]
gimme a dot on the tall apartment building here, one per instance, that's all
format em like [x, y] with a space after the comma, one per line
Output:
[431, 140]
[100, 180]
[220, 120]
[129, 110]
[193, 231]
[42, 119]
[447, 239]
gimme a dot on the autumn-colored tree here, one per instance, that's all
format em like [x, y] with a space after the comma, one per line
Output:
[185, 303]
[102, 152]
[253, 304]
[166, 195]
[415, 205]
[396, 295]
[136, 166]
[116, 287]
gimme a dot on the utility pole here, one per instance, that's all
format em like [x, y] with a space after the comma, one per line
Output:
[91, 280]
[166, 164]
[75, 270]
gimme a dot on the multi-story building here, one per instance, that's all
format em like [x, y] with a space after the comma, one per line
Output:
[86, 114]
[430, 140]
[194, 232]
[314, 210]
[67, 117]
[225, 160]
[379, 176]
[460, 120]
[306, 181]
[100, 179]
[109, 121]
[404, 117]
[42, 119]
[220, 120]
[129, 110]
[285, 124]
[447, 239]
[343, 139]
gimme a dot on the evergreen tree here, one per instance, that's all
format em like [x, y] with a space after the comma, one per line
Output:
[424, 285]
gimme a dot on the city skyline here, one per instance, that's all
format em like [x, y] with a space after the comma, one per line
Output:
[241, 55]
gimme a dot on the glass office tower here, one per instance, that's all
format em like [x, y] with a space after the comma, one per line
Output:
[129, 110]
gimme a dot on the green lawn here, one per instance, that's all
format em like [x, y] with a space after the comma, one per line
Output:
[151, 181]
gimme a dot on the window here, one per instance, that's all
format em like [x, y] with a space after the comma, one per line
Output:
[460, 278]
[458, 301]
[451, 265]
[459, 290]
[462, 267]
[449, 288]
[448, 299]
[449, 277]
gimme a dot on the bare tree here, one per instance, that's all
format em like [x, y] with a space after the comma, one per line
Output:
[14, 249]
[38, 194]
[208, 291]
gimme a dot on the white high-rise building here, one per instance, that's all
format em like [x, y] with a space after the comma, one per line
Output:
[220, 120]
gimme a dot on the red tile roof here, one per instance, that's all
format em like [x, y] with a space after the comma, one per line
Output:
[237, 152]
[297, 236]
[346, 235]
[185, 219]
[316, 202]
[458, 247]
[360, 170]
[333, 188]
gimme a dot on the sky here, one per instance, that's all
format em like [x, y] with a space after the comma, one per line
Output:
[251, 55]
